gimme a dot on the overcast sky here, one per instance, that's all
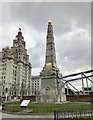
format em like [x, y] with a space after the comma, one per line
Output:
[72, 32]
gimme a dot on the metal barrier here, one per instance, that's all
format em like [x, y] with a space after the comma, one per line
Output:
[62, 114]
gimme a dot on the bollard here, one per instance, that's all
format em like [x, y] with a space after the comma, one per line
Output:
[3, 106]
[54, 114]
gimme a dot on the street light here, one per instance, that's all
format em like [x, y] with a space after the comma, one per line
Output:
[6, 90]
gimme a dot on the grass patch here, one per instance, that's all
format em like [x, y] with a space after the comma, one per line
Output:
[48, 108]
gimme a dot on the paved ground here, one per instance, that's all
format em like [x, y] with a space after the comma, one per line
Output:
[0, 115]
[25, 117]
[4, 116]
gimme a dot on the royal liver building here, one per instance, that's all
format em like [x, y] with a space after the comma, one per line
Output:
[52, 89]
[15, 69]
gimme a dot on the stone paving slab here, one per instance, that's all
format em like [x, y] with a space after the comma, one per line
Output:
[27, 119]
[0, 115]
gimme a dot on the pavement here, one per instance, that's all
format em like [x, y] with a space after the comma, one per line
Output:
[26, 117]
[0, 108]
[0, 112]
[5, 116]
[0, 115]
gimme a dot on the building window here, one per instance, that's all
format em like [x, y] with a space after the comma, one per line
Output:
[15, 67]
[35, 92]
[3, 93]
[15, 73]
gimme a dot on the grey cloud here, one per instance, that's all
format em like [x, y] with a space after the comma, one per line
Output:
[37, 55]
[36, 15]
[77, 51]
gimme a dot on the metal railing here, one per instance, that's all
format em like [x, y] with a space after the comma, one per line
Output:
[62, 114]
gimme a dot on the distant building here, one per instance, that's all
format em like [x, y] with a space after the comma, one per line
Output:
[52, 89]
[0, 77]
[92, 85]
[15, 69]
[35, 85]
[87, 90]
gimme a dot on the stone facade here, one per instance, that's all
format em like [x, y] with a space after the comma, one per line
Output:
[35, 85]
[51, 85]
[16, 69]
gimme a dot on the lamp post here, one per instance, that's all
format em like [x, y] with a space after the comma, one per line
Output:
[6, 90]
[0, 93]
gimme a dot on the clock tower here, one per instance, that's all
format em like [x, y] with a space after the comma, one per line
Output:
[19, 40]
[18, 65]
[18, 48]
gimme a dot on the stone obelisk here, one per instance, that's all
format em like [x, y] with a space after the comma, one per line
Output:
[51, 90]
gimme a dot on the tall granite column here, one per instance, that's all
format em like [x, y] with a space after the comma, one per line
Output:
[51, 90]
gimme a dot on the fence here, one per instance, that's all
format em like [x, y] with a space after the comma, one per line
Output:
[61, 114]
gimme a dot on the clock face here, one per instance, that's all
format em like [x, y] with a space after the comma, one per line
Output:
[16, 44]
